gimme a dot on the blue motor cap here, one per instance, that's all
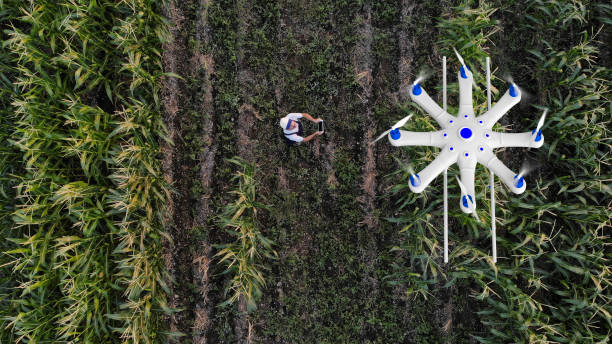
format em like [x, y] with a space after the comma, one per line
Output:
[538, 136]
[395, 134]
[416, 89]
[519, 183]
[513, 92]
[465, 202]
[415, 180]
[465, 133]
[462, 71]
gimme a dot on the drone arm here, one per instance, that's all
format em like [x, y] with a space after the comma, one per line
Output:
[467, 169]
[465, 92]
[489, 160]
[429, 173]
[526, 139]
[413, 138]
[431, 107]
[501, 107]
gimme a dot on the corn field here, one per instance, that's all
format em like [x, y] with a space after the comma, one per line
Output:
[82, 189]
[147, 195]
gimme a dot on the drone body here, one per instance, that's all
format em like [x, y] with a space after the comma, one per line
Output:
[466, 139]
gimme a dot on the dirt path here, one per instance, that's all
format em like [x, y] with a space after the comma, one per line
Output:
[178, 218]
[188, 263]
[247, 114]
[406, 44]
[203, 69]
[363, 69]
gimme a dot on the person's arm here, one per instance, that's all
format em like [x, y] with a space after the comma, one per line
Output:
[312, 136]
[309, 117]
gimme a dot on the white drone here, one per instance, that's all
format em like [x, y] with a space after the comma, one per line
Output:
[465, 140]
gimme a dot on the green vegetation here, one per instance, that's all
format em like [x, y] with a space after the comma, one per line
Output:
[82, 187]
[244, 258]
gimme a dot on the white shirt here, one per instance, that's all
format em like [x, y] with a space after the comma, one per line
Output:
[292, 134]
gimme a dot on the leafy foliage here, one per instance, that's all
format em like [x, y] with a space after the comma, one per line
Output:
[85, 222]
[244, 257]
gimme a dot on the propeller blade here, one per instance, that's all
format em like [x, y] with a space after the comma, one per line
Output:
[459, 57]
[541, 122]
[381, 136]
[401, 122]
[395, 126]
[463, 64]
[461, 186]
[410, 169]
[475, 214]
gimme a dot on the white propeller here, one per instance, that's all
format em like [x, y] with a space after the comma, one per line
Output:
[395, 126]
[411, 170]
[540, 124]
[463, 64]
[459, 57]
[471, 204]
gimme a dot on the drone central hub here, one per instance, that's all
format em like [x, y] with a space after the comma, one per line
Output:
[465, 133]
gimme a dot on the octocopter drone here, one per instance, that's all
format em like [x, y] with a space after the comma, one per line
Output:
[466, 139]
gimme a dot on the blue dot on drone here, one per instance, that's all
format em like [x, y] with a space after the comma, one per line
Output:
[466, 133]
[451, 148]
[466, 154]
[481, 149]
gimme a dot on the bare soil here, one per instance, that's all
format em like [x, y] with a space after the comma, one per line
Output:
[186, 263]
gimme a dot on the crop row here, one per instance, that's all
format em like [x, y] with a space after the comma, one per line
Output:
[83, 191]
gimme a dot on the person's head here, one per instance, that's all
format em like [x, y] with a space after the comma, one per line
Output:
[288, 124]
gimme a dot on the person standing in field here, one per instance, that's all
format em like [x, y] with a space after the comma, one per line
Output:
[292, 128]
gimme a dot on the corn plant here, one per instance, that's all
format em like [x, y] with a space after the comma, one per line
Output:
[85, 223]
[9, 169]
[244, 257]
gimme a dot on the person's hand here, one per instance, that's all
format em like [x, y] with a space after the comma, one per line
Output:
[319, 133]
[318, 120]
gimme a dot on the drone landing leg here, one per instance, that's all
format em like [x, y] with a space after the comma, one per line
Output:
[491, 174]
[446, 169]
[493, 234]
